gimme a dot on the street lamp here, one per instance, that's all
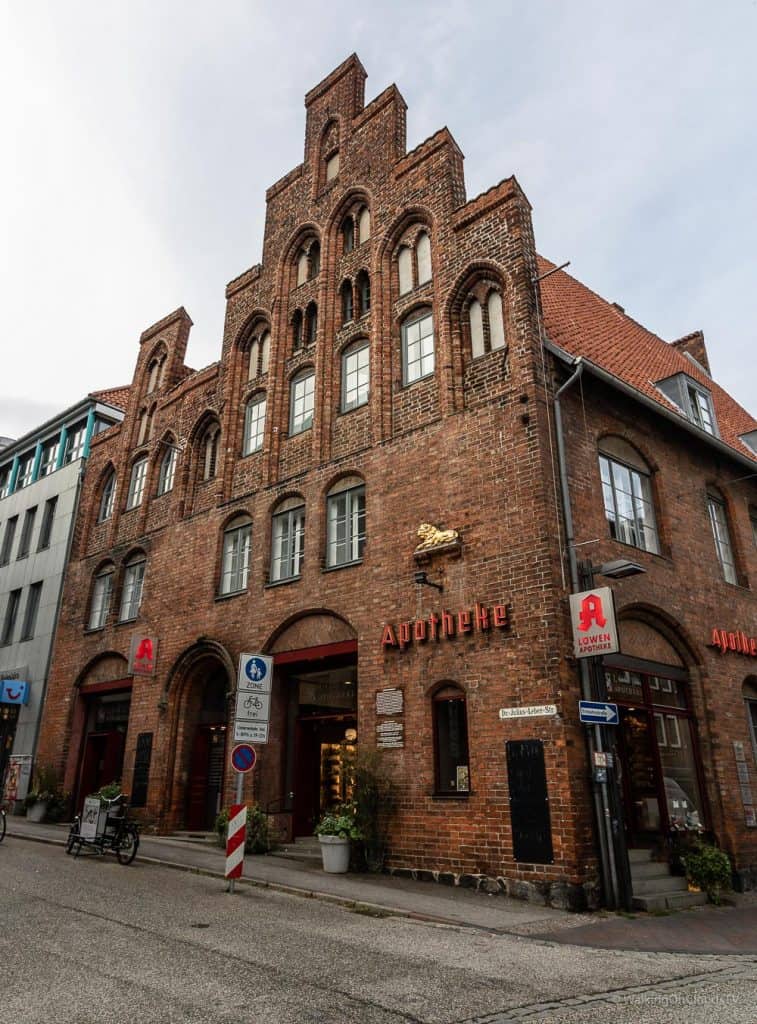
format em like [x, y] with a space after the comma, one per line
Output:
[616, 569]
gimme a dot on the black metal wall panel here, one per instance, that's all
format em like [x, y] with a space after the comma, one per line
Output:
[529, 803]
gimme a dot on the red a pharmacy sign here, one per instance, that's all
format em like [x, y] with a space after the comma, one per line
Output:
[592, 616]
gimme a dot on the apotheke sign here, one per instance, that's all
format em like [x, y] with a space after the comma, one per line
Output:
[446, 626]
[736, 641]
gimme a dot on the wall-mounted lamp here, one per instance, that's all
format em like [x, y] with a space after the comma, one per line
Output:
[421, 578]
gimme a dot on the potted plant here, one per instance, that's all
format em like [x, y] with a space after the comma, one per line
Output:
[43, 792]
[708, 869]
[336, 830]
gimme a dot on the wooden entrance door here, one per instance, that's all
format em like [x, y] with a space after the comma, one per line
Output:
[102, 762]
[205, 787]
[642, 800]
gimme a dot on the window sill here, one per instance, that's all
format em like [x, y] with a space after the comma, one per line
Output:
[354, 408]
[342, 565]
[281, 583]
[232, 593]
[452, 796]
[418, 380]
[131, 508]
[93, 629]
[255, 451]
[299, 433]
[127, 622]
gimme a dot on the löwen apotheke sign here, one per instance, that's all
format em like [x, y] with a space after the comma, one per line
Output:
[734, 640]
[446, 625]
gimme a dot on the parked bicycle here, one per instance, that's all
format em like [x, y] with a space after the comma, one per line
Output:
[2, 824]
[109, 828]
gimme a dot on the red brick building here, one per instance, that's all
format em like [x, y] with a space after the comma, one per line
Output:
[393, 361]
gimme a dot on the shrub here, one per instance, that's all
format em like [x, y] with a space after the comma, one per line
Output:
[709, 869]
[258, 838]
[339, 821]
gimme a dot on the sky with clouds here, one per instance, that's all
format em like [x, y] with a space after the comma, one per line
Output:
[139, 139]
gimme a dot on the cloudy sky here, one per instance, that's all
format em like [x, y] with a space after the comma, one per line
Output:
[139, 139]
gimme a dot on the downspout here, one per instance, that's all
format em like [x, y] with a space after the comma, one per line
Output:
[594, 736]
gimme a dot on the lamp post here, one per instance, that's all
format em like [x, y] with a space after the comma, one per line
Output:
[604, 740]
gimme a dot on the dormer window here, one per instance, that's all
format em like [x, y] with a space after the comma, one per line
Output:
[693, 400]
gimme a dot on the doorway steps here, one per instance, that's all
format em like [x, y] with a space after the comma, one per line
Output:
[306, 850]
[655, 889]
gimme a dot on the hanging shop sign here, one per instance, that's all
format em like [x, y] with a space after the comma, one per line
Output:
[14, 691]
[736, 641]
[142, 655]
[592, 616]
[446, 626]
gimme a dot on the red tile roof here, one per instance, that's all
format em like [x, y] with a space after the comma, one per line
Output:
[584, 324]
[117, 397]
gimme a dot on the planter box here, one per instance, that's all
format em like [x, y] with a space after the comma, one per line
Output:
[335, 852]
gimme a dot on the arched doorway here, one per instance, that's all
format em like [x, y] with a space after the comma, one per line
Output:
[201, 734]
[660, 764]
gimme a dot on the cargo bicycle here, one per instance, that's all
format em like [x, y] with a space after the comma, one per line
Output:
[105, 825]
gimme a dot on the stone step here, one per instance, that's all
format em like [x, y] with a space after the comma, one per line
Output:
[666, 883]
[668, 901]
[306, 849]
[650, 869]
[640, 856]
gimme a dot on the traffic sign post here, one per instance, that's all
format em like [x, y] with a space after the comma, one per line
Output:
[235, 837]
[253, 712]
[243, 758]
[598, 712]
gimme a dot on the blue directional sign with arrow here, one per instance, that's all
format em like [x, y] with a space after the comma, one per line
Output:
[598, 712]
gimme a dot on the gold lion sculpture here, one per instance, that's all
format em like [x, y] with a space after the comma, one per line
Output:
[432, 537]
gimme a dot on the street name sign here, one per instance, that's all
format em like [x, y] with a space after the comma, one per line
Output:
[598, 712]
[531, 711]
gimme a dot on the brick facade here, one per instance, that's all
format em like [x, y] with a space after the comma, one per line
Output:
[468, 447]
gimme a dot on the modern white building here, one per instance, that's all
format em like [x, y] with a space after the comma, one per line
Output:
[40, 478]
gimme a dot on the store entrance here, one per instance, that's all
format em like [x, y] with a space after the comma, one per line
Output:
[207, 756]
[658, 759]
[103, 754]
[323, 711]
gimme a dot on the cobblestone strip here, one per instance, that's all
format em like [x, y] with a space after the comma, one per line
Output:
[671, 988]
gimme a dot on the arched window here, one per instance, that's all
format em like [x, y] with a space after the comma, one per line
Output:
[355, 374]
[136, 484]
[749, 691]
[475, 313]
[152, 376]
[161, 370]
[451, 769]
[131, 592]
[417, 346]
[345, 522]
[332, 166]
[107, 498]
[405, 267]
[496, 321]
[235, 561]
[302, 401]
[721, 534]
[210, 447]
[265, 351]
[302, 267]
[627, 494]
[287, 540]
[142, 434]
[311, 323]
[363, 283]
[423, 257]
[254, 424]
[364, 224]
[314, 264]
[102, 591]
[259, 350]
[254, 364]
[346, 293]
[348, 234]
[297, 330]
[167, 470]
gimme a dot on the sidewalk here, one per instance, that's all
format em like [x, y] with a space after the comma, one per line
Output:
[699, 930]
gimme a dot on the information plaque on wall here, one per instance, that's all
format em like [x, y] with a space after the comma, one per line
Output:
[389, 702]
[529, 803]
[390, 734]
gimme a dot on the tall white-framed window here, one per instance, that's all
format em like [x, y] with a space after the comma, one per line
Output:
[102, 591]
[5, 481]
[701, 409]
[25, 471]
[287, 540]
[405, 269]
[167, 471]
[345, 522]
[356, 374]
[49, 458]
[417, 347]
[107, 498]
[627, 494]
[722, 537]
[235, 561]
[302, 401]
[423, 257]
[131, 593]
[136, 484]
[75, 442]
[254, 424]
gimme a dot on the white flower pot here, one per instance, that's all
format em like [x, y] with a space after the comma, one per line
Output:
[37, 811]
[336, 854]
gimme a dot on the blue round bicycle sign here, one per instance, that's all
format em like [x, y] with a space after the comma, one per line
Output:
[256, 669]
[243, 757]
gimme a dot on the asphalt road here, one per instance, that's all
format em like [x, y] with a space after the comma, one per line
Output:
[91, 942]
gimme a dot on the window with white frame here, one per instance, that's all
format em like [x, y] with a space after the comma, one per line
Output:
[355, 374]
[417, 347]
[5, 481]
[25, 471]
[136, 484]
[75, 442]
[254, 424]
[700, 404]
[49, 459]
[287, 540]
[107, 498]
[627, 494]
[131, 594]
[405, 269]
[721, 535]
[345, 522]
[235, 562]
[102, 591]
[302, 401]
[167, 471]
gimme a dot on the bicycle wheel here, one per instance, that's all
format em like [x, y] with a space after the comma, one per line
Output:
[73, 836]
[2, 826]
[128, 844]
